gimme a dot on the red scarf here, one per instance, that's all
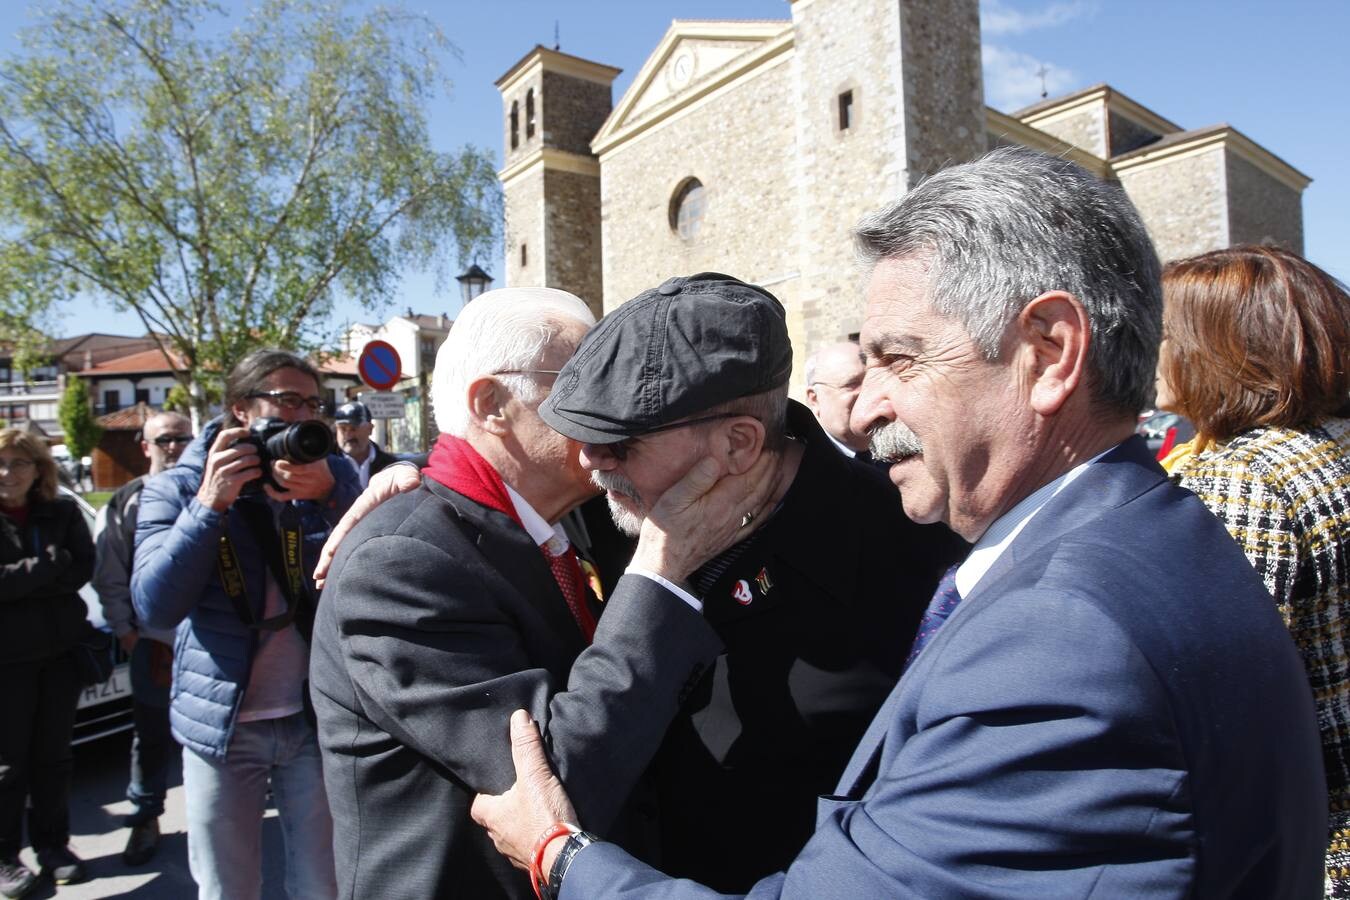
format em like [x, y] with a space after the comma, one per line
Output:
[456, 465]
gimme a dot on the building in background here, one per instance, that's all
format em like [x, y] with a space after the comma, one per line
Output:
[751, 147]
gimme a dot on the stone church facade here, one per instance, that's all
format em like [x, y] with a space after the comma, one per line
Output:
[751, 147]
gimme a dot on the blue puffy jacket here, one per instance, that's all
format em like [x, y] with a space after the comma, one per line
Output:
[175, 580]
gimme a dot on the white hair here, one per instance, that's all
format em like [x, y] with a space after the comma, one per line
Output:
[503, 329]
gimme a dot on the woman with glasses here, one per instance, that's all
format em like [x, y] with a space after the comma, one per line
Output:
[1255, 352]
[46, 554]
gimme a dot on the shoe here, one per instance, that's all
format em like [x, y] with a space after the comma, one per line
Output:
[16, 879]
[63, 866]
[142, 843]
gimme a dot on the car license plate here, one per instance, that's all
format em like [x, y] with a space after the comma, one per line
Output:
[116, 687]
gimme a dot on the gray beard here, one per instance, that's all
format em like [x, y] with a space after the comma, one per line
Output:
[894, 442]
[627, 521]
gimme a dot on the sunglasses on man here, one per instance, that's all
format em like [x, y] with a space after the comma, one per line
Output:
[165, 440]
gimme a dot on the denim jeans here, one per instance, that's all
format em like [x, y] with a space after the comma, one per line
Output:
[151, 671]
[225, 805]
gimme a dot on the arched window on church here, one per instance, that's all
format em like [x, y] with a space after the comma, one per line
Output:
[686, 208]
[515, 124]
[529, 114]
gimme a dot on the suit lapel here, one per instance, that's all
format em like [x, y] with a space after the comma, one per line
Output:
[1120, 476]
[508, 550]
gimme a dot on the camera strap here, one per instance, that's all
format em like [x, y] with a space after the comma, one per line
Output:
[283, 558]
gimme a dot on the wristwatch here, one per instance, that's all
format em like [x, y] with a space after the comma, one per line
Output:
[576, 841]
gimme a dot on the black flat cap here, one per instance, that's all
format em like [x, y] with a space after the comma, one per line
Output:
[353, 413]
[668, 354]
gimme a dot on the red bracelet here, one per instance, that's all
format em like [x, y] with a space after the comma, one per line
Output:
[537, 878]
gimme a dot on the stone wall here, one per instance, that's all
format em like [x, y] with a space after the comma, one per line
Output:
[572, 240]
[1262, 209]
[1127, 134]
[918, 105]
[518, 95]
[573, 111]
[1085, 129]
[740, 148]
[1183, 203]
[944, 84]
[524, 202]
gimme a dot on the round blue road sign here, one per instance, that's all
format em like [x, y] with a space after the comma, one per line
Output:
[379, 365]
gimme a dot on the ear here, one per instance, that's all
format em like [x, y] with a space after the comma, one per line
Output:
[743, 440]
[1055, 332]
[812, 399]
[487, 401]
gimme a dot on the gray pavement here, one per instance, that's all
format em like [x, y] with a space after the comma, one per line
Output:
[98, 802]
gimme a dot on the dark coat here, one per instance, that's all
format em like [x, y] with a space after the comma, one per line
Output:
[1115, 710]
[41, 613]
[439, 618]
[838, 580]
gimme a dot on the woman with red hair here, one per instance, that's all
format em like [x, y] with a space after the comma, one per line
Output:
[1255, 347]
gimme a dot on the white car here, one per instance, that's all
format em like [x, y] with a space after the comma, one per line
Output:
[105, 708]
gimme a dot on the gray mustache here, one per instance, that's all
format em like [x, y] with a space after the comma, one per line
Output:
[613, 481]
[894, 442]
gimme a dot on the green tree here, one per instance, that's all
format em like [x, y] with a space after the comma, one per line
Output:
[226, 184]
[77, 419]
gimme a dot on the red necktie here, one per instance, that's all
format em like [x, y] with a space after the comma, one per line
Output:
[567, 572]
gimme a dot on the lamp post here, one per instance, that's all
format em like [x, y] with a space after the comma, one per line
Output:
[473, 282]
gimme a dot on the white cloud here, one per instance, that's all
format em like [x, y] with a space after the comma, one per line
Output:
[1012, 79]
[996, 18]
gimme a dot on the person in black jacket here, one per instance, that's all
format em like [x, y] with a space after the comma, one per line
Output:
[46, 554]
[353, 425]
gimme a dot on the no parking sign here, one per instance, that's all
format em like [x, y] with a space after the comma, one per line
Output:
[379, 365]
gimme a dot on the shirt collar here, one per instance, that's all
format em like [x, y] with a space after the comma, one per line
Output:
[540, 531]
[1008, 526]
[843, 448]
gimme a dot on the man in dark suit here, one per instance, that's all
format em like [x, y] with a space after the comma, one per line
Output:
[810, 607]
[451, 605]
[1103, 700]
[353, 425]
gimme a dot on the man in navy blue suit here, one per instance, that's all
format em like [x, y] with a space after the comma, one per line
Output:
[1103, 700]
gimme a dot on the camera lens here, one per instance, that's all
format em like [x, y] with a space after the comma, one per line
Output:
[302, 442]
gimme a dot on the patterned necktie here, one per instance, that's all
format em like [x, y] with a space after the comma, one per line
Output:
[945, 599]
[567, 572]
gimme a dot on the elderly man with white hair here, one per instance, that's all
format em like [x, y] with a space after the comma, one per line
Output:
[453, 604]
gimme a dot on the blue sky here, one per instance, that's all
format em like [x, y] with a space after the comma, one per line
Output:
[1277, 72]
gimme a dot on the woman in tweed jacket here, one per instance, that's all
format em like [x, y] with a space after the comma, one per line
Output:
[1255, 347]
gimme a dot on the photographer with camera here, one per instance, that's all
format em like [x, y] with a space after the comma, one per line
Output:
[225, 541]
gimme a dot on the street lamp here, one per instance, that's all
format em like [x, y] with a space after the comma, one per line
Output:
[473, 282]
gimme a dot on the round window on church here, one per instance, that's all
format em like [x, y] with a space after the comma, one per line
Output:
[686, 208]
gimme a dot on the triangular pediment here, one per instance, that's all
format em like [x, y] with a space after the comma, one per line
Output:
[692, 55]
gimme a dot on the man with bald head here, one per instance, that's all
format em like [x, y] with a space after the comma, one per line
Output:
[834, 375]
[164, 437]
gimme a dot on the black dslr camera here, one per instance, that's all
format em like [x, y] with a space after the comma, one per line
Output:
[297, 442]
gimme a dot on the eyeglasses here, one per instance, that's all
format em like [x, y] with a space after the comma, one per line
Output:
[290, 400]
[165, 440]
[851, 386]
[17, 464]
[621, 449]
[527, 372]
